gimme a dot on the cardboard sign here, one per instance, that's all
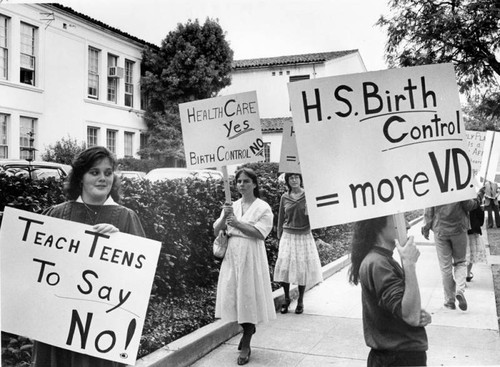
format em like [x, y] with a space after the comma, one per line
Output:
[65, 285]
[475, 141]
[491, 156]
[222, 131]
[380, 143]
[289, 157]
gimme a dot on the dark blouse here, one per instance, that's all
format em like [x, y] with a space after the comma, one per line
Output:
[126, 221]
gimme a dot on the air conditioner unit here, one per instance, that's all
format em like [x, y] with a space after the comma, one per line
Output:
[115, 72]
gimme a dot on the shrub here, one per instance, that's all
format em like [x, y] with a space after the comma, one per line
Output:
[63, 151]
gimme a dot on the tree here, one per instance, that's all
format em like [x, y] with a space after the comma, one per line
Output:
[63, 151]
[464, 32]
[193, 62]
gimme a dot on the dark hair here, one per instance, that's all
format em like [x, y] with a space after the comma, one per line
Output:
[364, 237]
[82, 164]
[253, 176]
[288, 175]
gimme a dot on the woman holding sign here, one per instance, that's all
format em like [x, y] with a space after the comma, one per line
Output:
[298, 260]
[393, 320]
[92, 192]
[244, 288]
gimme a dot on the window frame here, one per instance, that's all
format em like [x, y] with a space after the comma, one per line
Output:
[4, 48]
[93, 72]
[111, 140]
[128, 144]
[93, 137]
[112, 86]
[129, 83]
[30, 70]
[4, 136]
[25, 151]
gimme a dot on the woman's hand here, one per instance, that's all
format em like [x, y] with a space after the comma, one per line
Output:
[228, 210]
[105, 228]
[232, 221]
[425, 318]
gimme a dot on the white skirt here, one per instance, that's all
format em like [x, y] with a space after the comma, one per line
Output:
[298, 260]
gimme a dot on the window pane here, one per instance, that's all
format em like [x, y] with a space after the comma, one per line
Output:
[129, 139]
[93, 77]
[4, 148]
[111, 140]
[92, 133]
[3, 48]
[27, 138]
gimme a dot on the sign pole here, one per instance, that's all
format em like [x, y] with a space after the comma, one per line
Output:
[227, 189]
[400, 225]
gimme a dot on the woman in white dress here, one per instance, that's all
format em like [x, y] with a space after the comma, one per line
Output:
[244, 291]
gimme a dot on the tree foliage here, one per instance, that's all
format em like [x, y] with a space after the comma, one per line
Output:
[464, 32]
[63, 151]
[193, 62]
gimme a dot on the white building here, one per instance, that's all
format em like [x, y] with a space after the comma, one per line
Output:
[66, 75]
[269, 78]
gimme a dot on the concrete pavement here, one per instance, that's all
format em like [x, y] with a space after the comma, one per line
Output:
[330, 333]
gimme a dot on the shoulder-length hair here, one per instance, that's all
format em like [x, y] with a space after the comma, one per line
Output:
[364, 238]
[82, 164]
[253, 176]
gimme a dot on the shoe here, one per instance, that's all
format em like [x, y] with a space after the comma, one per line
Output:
[469, 278]
[450, 305]
[299, 309]
[462, 302]
[284, 306]
[245, 359]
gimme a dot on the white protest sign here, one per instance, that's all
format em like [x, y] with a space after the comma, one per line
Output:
[289, 157]
[475, 141]
[222, 131]
[65, 285]
[491, 156]
[380, 143]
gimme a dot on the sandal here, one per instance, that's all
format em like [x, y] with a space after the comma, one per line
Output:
[284, 306]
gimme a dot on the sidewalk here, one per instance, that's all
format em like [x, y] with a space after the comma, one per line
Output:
[330, 331]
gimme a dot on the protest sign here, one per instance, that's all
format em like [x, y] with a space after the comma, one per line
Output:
[222, 131]
[491, 156]
[289, 157]
[380, 143]
[475, 143]
[65, 285]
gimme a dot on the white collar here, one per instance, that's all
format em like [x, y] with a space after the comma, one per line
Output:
[109, 201]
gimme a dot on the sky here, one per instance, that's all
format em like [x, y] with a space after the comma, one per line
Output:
[255, 28]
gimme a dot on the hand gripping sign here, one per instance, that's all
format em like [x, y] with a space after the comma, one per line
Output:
[65, 285]
[380, 143]
[289, 157]
[222, 131]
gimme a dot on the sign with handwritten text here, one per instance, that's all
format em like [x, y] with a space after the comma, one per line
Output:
[222, 131]
[289, 157]
[380, 143]
[491, 156]
[66, 285]
[475, 143]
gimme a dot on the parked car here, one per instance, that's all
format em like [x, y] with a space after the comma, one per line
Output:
[37, 170]
[135, 175]
[160, 174]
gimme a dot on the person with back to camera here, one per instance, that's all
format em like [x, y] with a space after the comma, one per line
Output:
[450, 223]
[475, 246]
[298, 260]
[244, 291]
[92, 191]
[393, 319]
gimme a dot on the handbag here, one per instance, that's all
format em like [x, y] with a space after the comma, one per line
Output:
[220, 244]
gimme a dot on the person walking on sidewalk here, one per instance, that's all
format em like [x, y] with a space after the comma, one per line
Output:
[298, 260]
[393, 319]
[450, 223]
[244, 291]
[475, 246]
[491, 202]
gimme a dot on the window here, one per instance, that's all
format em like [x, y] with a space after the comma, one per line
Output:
[27, 138]
[143, 141]
[111, 140]
[28, 48]
[129, 83]
[129, 140]
[4, 137]
[267, 152]
[92, 136]
[4, 51]
[296, 78]
[112, 82]
[93, 82]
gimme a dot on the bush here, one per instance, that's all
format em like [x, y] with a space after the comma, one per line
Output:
[63, 151]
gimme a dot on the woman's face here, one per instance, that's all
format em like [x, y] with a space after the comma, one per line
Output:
[294, 181]
[244, 184]
[97, 182]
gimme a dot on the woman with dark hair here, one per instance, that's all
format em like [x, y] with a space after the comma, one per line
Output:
[393, 320]
[93, 192]
[244, 291]
[298, 260]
